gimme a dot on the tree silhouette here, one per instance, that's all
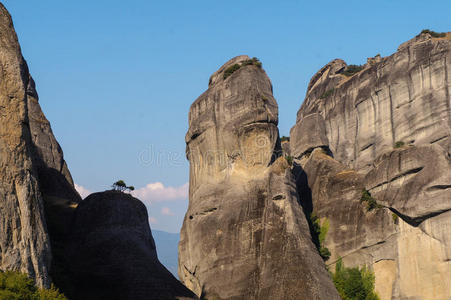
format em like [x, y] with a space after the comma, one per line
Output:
[122, 187]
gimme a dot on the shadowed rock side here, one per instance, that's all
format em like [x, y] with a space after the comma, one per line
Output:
[113, 255]
[405, 237]
[32, 168]
[244, 235]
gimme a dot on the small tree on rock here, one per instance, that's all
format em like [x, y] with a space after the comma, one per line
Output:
[122, 187]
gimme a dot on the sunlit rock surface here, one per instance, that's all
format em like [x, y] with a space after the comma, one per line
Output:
[245, 235]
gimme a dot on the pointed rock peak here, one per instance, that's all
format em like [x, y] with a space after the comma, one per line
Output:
[231, 66]
[8, 37]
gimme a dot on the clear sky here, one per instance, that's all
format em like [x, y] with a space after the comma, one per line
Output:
[116, 78]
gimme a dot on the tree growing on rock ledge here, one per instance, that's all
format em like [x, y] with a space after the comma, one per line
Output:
[122, 187]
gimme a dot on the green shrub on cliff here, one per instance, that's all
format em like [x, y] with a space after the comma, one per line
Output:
[352, 69]
[320, 231]
[354, 283]
[433, 33]
[369, 200]
[399, 144]
[327, 93]
[248, 62]
[229, 71]
[18, 286]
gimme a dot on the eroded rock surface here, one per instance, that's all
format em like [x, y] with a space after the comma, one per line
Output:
[402, 98]
[405, 237]
[113, 254]
[33, 173]
[244, 235]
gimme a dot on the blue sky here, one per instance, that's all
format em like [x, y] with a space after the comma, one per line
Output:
[116, 78]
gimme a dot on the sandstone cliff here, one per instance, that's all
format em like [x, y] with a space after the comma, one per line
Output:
[113, 255]
[244, 235]
[384, 132]
[33, 172]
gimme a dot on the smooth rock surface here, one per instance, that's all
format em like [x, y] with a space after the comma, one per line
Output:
[113, 255]
[244, 235]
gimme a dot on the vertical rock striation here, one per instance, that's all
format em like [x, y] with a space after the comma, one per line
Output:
[384, 130]
[244, 235]
[32, 168]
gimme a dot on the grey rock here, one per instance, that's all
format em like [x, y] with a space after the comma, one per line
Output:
[113, 255]
[309, 133]
[404, 97]
[36, 189]
[244, 235]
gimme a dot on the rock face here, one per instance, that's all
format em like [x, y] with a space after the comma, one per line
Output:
[244, 235]
[345, 143]
[403, 98]
[113, 255]
[32, 166]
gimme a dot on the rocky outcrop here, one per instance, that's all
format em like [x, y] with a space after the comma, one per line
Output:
[244, 235]
[113, 255]
[32, 171]
[345, 147]
[402, 98]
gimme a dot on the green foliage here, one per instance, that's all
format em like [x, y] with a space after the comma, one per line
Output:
[249, 62]
[433, 33]
[395, 218]
[289, 159]
[399, 144]
[253, 61]
[327, 93]
[352, 69]
[18, 286]
[320, 232]
[229, 71]
[121, 186]
[285, 139]
[354, 283]
[370, 201]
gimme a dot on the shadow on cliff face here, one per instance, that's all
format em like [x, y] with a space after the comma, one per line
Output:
[305, 199]
[60, 201]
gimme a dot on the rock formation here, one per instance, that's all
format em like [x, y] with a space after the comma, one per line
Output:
[33, 173]
[113, 255]
[383, 132]
[244, 235]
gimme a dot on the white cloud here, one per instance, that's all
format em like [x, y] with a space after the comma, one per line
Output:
[84, 192]
[157, 192]
[166, 211]
[152, 220]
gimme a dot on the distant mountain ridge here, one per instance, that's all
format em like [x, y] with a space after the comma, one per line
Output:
[167, 249]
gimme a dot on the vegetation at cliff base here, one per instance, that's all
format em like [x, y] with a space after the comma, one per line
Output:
[230, 70]
[352, 69]
[354, 283]
[18, 286]
[433, 33]
[121, 186]
[320, 231]
[369, 200]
